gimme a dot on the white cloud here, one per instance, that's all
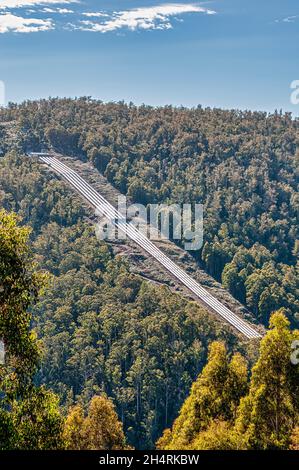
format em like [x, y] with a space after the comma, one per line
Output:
[95, 15]
[142, 18]
[62, 11]
[4, 4]
[288, 19]
[17, 24]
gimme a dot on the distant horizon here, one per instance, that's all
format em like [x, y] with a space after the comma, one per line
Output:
[155, 106]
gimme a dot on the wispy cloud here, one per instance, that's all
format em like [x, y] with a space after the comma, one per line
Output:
[61, 11]
[147, 18]
[98, 14]
[161, 17]
[288, 19]
[5, 4]
[17, 24]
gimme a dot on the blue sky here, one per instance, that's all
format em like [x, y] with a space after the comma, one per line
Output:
[225, 53]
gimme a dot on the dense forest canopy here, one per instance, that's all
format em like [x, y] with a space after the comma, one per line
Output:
[226, 411]
[105, 331]
[243, 166]
[30, 417]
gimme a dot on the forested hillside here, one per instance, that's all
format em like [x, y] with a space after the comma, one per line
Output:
[30, 416]
[101, 328]
[226, 411]
[242, 165]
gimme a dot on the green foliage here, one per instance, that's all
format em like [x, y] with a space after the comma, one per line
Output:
[103, 329]
[267, 415]
[106, 331]
[222, 413]
[215, 395]
[99, 430]
[241, 165]
[19, 285]
[37, 422]
[220, 435]
[295, 439]
[265, 286]
[29, 416]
